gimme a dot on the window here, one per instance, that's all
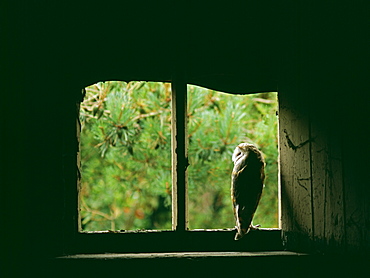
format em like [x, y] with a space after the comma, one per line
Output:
[217, 123]
[190, 105]
[126, 156]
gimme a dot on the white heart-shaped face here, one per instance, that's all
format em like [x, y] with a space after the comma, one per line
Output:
[241, 151]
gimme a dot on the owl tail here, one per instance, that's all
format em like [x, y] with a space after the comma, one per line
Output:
[241, 228]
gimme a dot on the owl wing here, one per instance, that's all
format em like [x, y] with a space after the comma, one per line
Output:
[247, 185]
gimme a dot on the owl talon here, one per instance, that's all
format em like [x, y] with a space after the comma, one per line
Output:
[256, 227]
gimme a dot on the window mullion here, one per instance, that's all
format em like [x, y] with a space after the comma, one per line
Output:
[179, 154]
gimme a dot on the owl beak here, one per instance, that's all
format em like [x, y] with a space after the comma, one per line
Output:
[246, 154]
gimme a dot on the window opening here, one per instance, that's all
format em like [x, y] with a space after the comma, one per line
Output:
[125, 148]
[217, 123]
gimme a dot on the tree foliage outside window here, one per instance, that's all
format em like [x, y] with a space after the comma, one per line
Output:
[125, 147]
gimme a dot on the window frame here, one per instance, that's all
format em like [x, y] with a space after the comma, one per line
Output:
[180, 238]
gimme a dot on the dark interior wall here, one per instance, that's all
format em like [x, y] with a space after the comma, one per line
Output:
[324, 192]
[315, 53]
[324, 181]
[337, 85]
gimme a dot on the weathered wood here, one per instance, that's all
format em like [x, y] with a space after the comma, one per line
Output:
[319, 151]
[179, 153]
[357, 210]
[328, 206]
[78, 158]
[212, 264]
[324, 197]
[295, 168]
[335, 233]
[78, 134]
[180, 255]
[70, 223]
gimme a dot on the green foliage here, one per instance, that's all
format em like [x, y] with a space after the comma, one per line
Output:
[126, 155]
[218, 122]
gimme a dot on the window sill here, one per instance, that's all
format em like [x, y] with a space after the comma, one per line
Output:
[209, 264]
[180, 264]
[188, 255]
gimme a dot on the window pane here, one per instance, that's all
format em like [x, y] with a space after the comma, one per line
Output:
[217, 123]
[125, 146]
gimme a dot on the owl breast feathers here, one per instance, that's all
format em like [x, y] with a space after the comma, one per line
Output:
[246, 185]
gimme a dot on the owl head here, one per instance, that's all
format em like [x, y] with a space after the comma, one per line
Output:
[241, 152]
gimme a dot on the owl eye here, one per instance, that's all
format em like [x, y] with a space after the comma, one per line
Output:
[239, 153]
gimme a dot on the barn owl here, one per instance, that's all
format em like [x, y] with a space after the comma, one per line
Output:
[246, 185]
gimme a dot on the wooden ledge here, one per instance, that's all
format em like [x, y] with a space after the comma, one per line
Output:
[180, 255]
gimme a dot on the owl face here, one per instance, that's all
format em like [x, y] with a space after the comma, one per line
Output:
[241, 153]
